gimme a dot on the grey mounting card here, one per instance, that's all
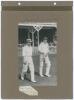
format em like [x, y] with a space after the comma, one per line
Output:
[37, 50]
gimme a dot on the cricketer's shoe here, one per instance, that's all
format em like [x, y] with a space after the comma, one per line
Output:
[48, 75]
[22, 78]
[33, 81]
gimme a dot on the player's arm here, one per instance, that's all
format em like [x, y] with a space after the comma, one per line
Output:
[47, 52]
[24, 55]
[40, 49]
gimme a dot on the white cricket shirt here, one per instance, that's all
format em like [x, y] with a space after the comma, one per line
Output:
[44, 48]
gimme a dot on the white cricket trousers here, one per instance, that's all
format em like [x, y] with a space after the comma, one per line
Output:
[28, 64]
[47, 62]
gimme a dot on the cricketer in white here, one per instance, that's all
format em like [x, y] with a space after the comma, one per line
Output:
[44, 50]
[27, 60]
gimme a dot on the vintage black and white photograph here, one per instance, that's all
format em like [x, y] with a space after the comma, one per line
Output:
[37, 53]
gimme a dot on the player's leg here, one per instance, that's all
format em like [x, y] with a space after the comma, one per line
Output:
[48, 65]
[41, 66]
[31, 68]
[24, 68]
